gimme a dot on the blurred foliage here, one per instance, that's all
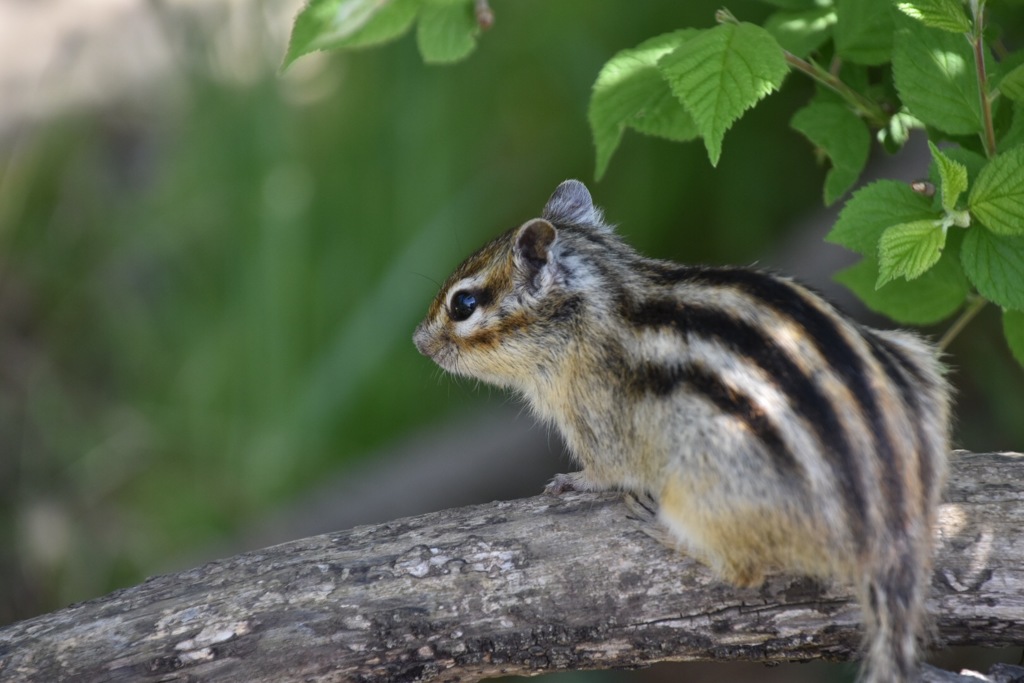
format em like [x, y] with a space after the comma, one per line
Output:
[207, 289]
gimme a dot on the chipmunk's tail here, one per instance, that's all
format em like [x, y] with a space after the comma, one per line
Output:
[892, 599]
[893, 596]
[898, 546]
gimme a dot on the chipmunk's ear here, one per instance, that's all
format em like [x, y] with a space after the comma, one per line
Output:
[533, 244]
[571, 205]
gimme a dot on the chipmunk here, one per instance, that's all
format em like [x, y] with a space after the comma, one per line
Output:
[773, 432]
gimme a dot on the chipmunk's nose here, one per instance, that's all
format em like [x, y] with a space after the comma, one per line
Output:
[421, 338]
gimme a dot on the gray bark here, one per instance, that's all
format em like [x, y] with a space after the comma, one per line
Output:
[522, 586]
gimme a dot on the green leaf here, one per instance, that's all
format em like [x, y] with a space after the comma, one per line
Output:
[864, 31]
[720, 73]
[934, 296]
[665, 117]
[997, 198]
[947, 15]
[843, 136]
[952, 178]
[874, 208]
[908, 250]
[1012, 84]
[995, 265]
[970, 160]
[330, 24]
[446, 31]
[793, 4]
[935, 77]
[1013, 328]
[1014, 135]
[897, 131]
[630, 92]
[802, 32]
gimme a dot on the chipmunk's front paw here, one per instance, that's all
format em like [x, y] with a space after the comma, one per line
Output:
[573, 481]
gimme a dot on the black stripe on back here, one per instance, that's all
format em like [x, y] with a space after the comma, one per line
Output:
[805, 396]
[663, 380]
[790, 300]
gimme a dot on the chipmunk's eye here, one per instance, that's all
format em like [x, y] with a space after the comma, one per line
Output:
[463, 305]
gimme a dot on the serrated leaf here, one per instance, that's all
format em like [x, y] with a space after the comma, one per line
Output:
[935, 77]
[720, 73]
[446, 31]
[947, 15]
[843, 136]
[1012, 84]
[970, 160]
[665, 117]
[331, 24]
[995, 265]
[630, 92]
[1013, 329]
[933, 297]
[802, 32]
[952, 177]
[874, 208]
[908, 250]
[864, 31]
[997, 198]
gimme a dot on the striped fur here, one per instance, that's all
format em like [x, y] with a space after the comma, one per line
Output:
[775, 433]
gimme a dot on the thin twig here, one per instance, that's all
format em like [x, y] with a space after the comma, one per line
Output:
[960, 323]
[867, 108]
[977, 39]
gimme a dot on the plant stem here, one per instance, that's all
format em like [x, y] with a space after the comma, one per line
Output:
[961, 322]
[977, 39]
[864, 106]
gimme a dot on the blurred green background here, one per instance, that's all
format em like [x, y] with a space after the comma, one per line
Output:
[210, 272]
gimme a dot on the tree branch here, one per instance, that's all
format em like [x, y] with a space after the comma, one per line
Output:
[535, 584]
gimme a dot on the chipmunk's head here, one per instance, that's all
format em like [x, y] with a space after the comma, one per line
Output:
[507, 311]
